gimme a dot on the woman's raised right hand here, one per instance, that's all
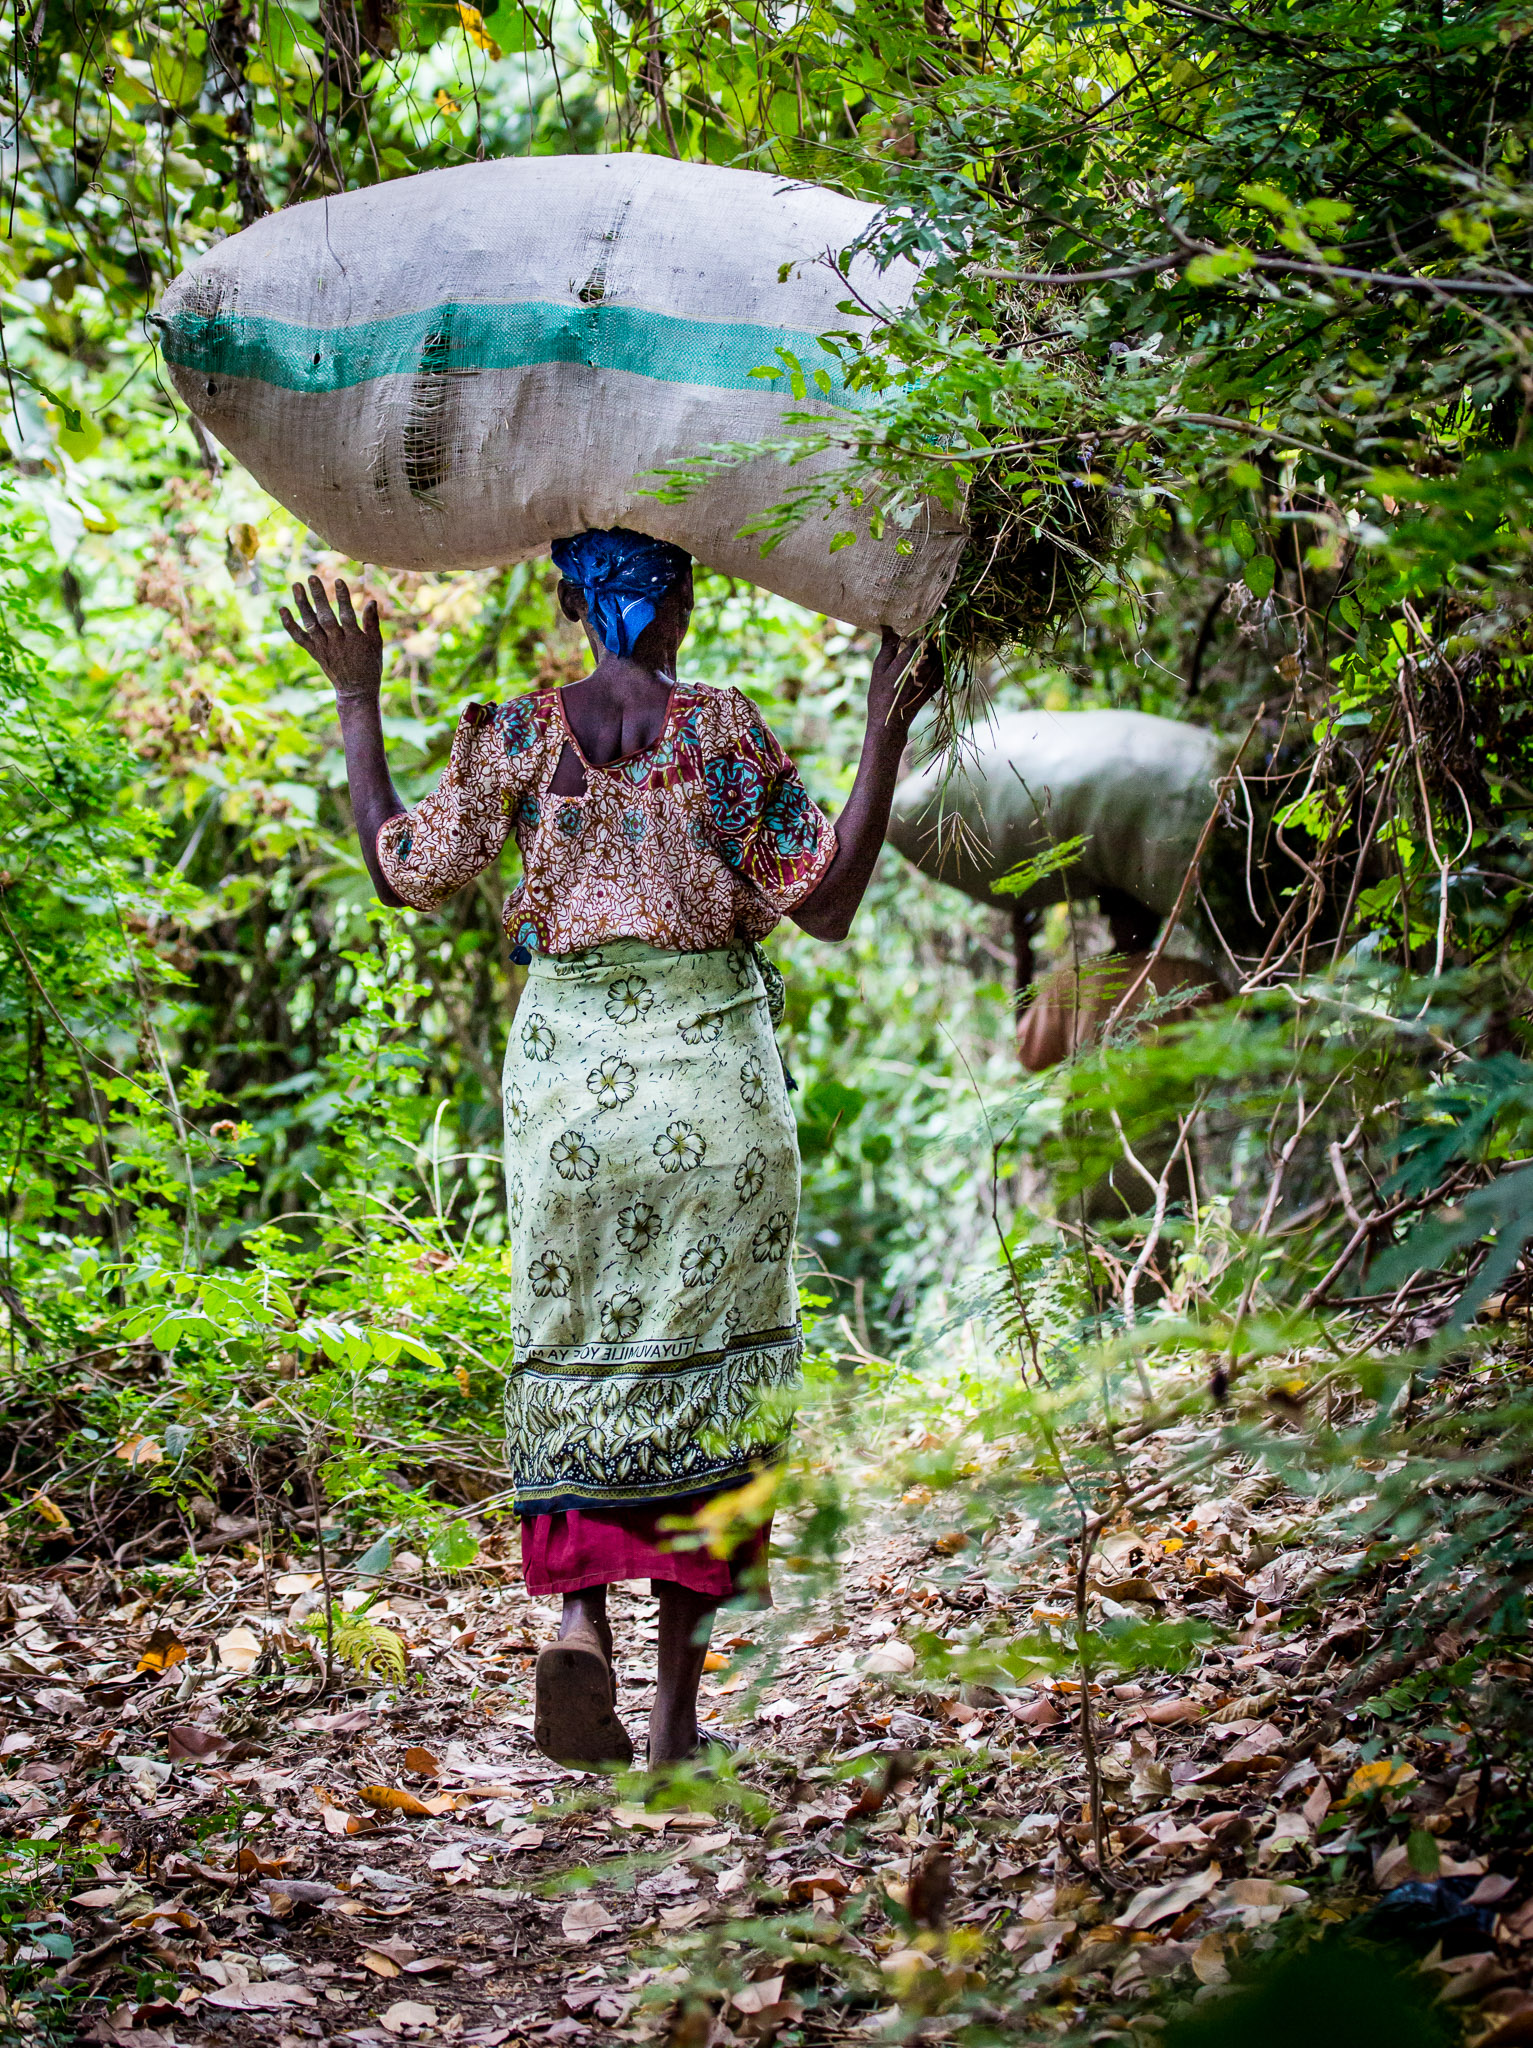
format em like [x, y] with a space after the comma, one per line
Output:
[351, 655]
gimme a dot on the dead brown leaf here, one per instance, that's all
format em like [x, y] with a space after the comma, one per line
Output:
[163, 1649]
[931, 1888]
[1040, 1713]
[240, 1649]
[140, 1450]
[201, 1745]
[177, 1868]
[758, 1996]
[393, 1799]
[405, 2014]
[1172, 1713]
[422, 1762]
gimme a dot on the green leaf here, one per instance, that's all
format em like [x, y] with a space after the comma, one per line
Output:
[176, 72]
[1215, 268]
[453, 1548]
[1423, 1854]
[830, 1103]
[375, 1559]
[1243, 539]
[1027, 874]
[1260, 575]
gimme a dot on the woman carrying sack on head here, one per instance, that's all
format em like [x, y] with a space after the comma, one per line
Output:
[652, 1164]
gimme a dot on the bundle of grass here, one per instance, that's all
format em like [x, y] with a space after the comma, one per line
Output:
[1036, 546]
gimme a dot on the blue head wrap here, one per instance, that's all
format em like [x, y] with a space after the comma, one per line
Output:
[623, 577]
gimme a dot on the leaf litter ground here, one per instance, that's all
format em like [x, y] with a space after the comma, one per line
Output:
[205, 1848]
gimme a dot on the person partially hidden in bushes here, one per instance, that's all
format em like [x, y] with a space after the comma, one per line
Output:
[1069, 1008]
[652, 1165]
[1039, 807]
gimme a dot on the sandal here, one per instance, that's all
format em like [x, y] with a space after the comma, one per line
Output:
[574, 1721]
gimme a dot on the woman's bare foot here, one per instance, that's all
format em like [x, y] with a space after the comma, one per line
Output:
[574, 1717]
[686, 1619]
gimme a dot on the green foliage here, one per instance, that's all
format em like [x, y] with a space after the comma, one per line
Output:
[1232, 303]
[37, 2005]
[366, 1647]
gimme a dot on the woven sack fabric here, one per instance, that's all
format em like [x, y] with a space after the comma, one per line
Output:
[456, 369]
[1137, 788]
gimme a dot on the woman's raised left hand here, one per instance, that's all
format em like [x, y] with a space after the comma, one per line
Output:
[351, 655]
[906, 676]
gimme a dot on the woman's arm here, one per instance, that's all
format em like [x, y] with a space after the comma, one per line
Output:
[352, 657]
[896, 693]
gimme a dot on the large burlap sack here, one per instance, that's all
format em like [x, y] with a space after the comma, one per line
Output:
[1138, 789]
[454, 370]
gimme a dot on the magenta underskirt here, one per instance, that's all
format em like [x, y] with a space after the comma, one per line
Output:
[565, 1553]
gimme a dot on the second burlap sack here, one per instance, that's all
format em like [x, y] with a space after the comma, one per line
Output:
[1136, 788]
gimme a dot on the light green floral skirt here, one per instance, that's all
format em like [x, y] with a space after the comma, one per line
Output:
[652, 1177]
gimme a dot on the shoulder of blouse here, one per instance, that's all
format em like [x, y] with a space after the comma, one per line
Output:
[520, 725]
[748, 728]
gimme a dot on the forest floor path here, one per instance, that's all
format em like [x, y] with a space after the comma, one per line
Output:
[221, 1855]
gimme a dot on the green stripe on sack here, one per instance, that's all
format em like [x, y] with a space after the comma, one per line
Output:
[458, 338]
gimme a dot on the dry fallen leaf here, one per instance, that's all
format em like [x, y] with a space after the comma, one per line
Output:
[685, 1916]
[527, 1838]
[1164, 1901]
[1386, 1775]
[240, 1649]
[422, 1762]
[392, 1799]
[758, 1996]
[890, 1659]
[261, 1997]
[380, 1965]
[714, 1662]
[334, 1817]
[291, 1584]
[1207, 1959]
[1171, 1713]
[187, 1741]
[1318, 1804]
[584, 1920]
[1141, 1589]
[638, 1817]
[163, 1649]
[140, 1450]
[405, 2013]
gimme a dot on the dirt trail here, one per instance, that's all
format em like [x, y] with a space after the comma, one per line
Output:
[231, 1865]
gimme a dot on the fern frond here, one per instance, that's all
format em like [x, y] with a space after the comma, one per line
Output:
[370, 1649]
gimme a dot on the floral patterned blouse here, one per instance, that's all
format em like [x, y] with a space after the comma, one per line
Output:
[705, 837]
